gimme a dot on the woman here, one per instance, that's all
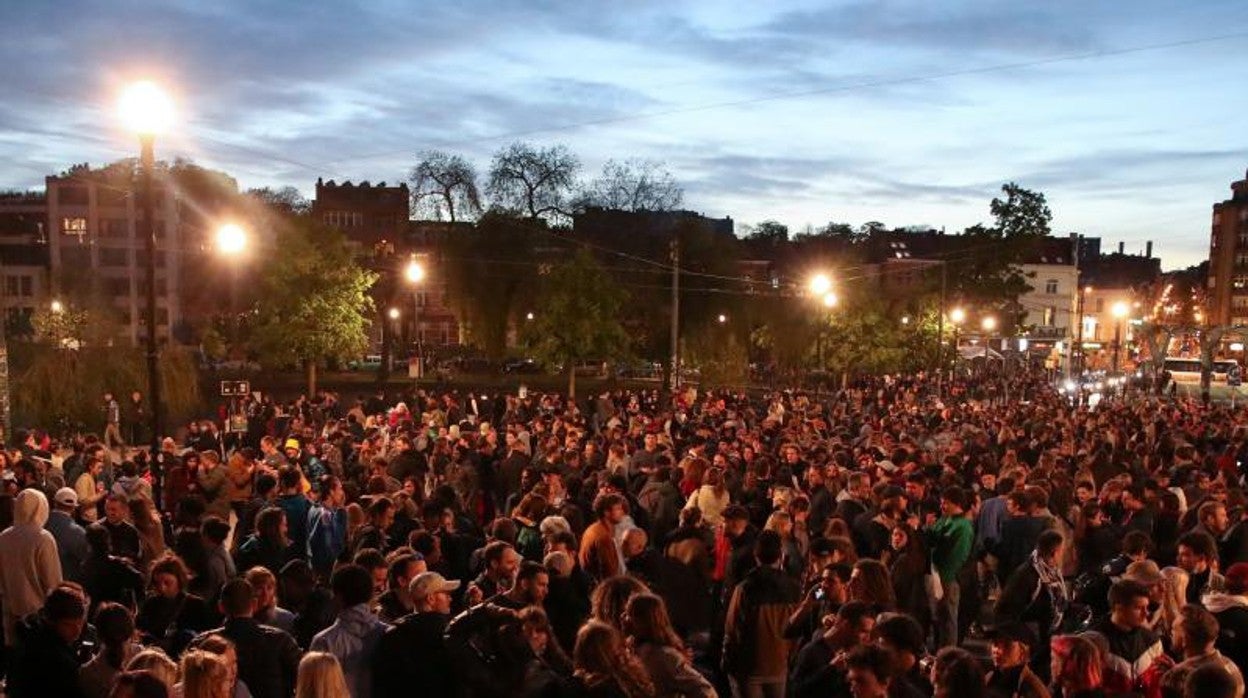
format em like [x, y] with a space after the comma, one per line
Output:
[115, 626]
[528, 516]
[320, 676]
[205, 675]
[610, 597]
[1075, 664]
[660, 651]
[956, 674]
[547, 669]
[694, 475]
[711, 498]
[910, 567]
[782, 523]
[869, 583]
[158, 664]
[138, 684]
[604, 668]
[151, 530]
[1174, 581]
[170, 616]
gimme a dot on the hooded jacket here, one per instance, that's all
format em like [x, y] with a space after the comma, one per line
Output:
[32, 565]
[1231, 610]
[353, 639]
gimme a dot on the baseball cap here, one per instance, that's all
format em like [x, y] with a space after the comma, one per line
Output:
[427, 583]
[291, 443]
[66, 497]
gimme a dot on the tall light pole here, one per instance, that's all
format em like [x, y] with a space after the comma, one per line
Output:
[1119, 311]
[956, 317]
[414, 272]
[148, 112]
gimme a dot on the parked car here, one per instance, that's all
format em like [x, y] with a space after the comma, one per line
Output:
[522, 366]
[370, 362]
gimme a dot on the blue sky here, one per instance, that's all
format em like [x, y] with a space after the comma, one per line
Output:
[904, 112]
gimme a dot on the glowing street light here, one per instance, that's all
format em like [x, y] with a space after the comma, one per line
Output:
[957, 316]
[528, 316]
[145, 109]
[820, 284]
[231, 239]
[830, 300]
[722, 318]
[989, 323]
[1120, 309]
[905, 319]
[58, 307]
[414, 272]
[394, 313]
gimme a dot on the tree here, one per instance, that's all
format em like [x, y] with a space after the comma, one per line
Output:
[315, 303]
[1022, 214]
[444, 187]
[632, 185]
[490, 269]
[532, 182]
[580, 307]
[286, 199]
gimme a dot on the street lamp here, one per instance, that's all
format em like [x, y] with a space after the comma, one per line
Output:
[231, 239]
[58, 307]
[1119, 310]
[820, 284]
[722, 318]
[528, 316]
[830, 300]
[148, 112]
[414, 272]
[956, 316]
[394, 313]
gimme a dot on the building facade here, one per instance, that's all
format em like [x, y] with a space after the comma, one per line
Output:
[369, 215]
[23, 259]
[1228, 258]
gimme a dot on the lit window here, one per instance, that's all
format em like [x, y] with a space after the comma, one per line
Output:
[74, 226]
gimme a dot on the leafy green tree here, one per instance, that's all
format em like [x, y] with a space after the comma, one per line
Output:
[578, 316]
[490, 271]
[1022, 213]
[315, 304]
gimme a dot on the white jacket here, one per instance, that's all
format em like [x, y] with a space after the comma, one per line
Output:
[31, 565]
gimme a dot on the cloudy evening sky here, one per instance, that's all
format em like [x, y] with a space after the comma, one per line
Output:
[1130, 117]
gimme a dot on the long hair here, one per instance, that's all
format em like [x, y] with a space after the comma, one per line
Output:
[205, 675]
[1079, 660]
[1175, 584]
[648, 622]
[601, 658]
[115, 624]
[958, 674]
[320, 676]
[872, 584]
[157, 663]
[610, 597]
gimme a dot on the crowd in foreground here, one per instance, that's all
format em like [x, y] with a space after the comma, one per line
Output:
[897, 538]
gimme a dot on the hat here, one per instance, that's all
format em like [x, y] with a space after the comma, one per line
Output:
[887, 466]
[291, 443]
[1014, 632]
[1145, 572]
[427, 583]
[66, 497]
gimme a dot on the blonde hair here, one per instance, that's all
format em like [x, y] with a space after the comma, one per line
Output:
[205, 675]
[320, 676]
[1174, 584]
[158, 663]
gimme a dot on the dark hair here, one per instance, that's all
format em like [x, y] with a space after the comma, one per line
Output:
[494, 552]
[1209, 680]
[902, 632]
[379, 508]
[65, 603]
[855, 611]
[1124, 591]
[529, 571]
[352, 584]
[1048, 542]
[265, 483]
[1199, 625]
[605, 502]
[215, 529]
[269, 521]
[288, 477]
[369, 558]
[1137, 543]
[115, 625]
[237, 598]
[1200, 543]
[768, 548]
[398, 567]
[873, 659]
[172, 565]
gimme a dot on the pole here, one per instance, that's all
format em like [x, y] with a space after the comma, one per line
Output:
[147, 162]
[675, 332]
[1117, 341]
[940, 334]
[1079, 341]
[420, 343]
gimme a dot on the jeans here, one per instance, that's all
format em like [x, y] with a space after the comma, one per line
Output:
[758, 688]
[947, 615]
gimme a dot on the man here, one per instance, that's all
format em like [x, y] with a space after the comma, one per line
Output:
[816, 671]
[903, 637]
[212, 482]
[1137, 516]
[327, 526]
[1194, 634]
[354, 636]
[420, 635]
[90, 489]
[45, 662]
[870, 672]
[1230, 608]
[30, 566]
[268, 658]
[1213, 519]
[1019, 533]
[824, 599]
[395, 602]
[1036, 593]
[755, 657]
[950, 540]
[501, 563]
[122, 535]
[1133, 648]
[1197, 554]
[112, 422]
[600, 556]
[71, 539]
[1010, 677]
[531, 588]
[296, 506]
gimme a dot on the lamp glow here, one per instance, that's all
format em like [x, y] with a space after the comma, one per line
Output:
[414, 272]
[231, 239]
[1120, 309]
[820, 284]
[145, 109]
[394, 313]
[989, 323]
[829, 300]
[957, 315]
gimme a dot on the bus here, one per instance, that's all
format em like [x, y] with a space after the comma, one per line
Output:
[1183, 370]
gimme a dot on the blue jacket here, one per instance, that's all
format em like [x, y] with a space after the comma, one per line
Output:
[327, 536]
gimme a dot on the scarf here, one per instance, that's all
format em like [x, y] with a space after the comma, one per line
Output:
[1054, 584]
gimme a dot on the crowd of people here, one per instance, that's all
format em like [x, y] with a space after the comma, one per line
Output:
[897, 538]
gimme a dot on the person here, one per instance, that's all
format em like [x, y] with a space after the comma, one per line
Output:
[44, 663]
[1231, 610]
[1211, 681]
[158, 664]
[148, 522]
[71, 539]
[123, 538]
[1133, 648]
[824, 598]
[1193, 635]
[907, 570]
[501, 563]
[138, 684]
[296, 506]
[327, 526]
[600, 554]
[1036, 593]
[170, 616]
[603, 667]
[355, 633]
[268, 658]
[212, 482]
[711, 498]
[112, 422]
[31, 565]
[660, 650]
[869, 672]
[957, 674]
[403, 567]
[820, 668]
[264, 582]
[90, 489]
[205, 675]
[320, 676]
[1075, 664]
[949, 540]
[531, 588]
[115, 626]
[904, 637]
[418, 634]
[1198, 555]
[268, 545]
[755, 659]
[220, 566]
[1012, 644]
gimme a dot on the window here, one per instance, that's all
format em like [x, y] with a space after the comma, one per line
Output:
[1240, 282]
[1050, 287]
[10, 286]
[74, 226]
[422, 299]
[114, 257]
[117, 286]
[1100, 305]
[1049, 314]
[114, 228]
[1239, 302]
[27, 286]
[72, 196]
[141, 259]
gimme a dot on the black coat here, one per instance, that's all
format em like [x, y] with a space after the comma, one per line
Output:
[268, 658]
[42, 665]
[396, 671]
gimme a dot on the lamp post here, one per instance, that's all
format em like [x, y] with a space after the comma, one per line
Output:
[1119, 311]
[956, 317]
[231, 241]
[414, 272]
[148, 111]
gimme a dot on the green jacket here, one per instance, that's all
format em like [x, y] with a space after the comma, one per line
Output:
[950, 540]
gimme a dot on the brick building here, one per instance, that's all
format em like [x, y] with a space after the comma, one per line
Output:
[1228, 258]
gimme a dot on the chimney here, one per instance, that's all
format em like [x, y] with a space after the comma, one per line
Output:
[1148, 250]
[1121, 247]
